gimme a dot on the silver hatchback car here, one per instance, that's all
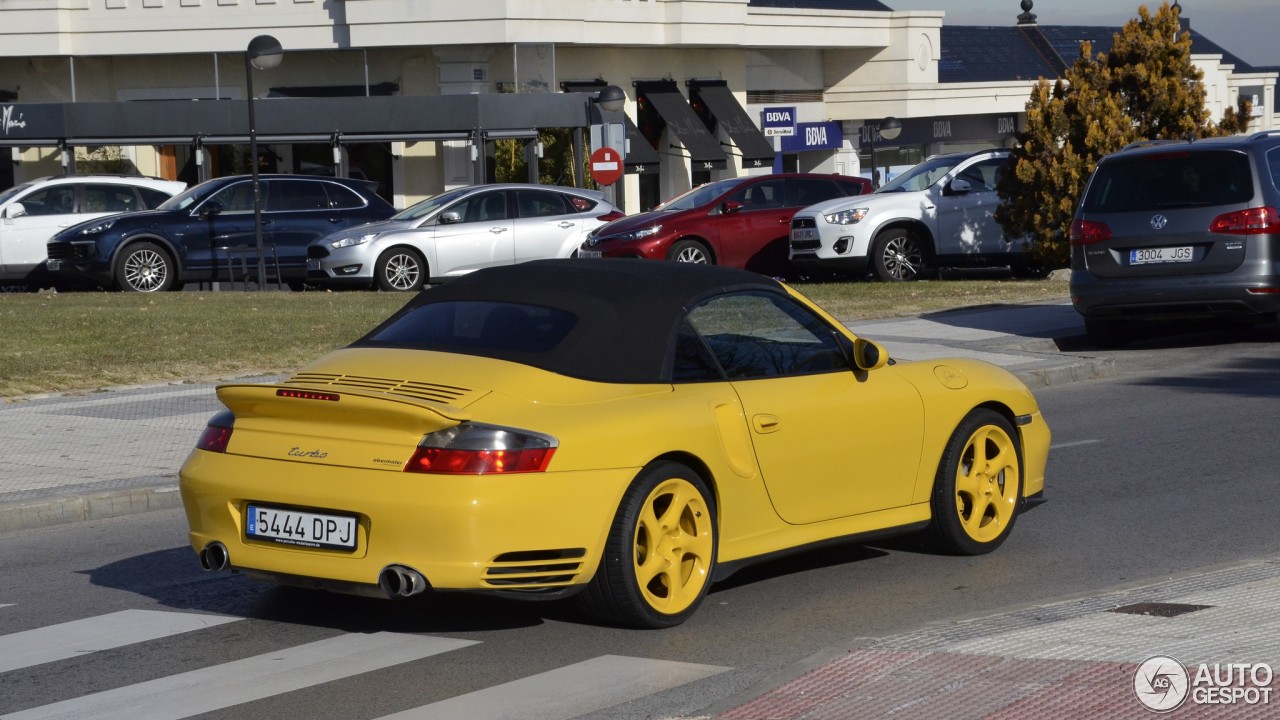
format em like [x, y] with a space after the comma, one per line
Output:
[1175, 229]
[459, 231]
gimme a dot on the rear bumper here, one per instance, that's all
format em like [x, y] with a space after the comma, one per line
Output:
[1189, 296]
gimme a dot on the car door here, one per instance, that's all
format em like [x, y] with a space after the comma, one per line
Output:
[473, 233]
[753, 229]
[966, 223]
[829, 441]
[218, 238]
[297, 211]
[546, 225]
[47, 210]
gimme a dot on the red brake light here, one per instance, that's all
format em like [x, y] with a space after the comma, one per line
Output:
[1254, 221]
[1087, 232]
[307, 395]
[475, 449]
[214, 438]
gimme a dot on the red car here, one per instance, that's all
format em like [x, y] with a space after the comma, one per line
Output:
[740, 222]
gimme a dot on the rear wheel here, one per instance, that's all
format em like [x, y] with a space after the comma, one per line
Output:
[400, 270]
[978, 485]
[660, 552]
[896, 256]
[690, 251]
[1105, 333]
[144, 267]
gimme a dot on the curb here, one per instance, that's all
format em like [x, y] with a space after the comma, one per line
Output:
[68, 509]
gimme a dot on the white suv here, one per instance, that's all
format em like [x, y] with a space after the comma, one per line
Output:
[939, 213]
[34, 211]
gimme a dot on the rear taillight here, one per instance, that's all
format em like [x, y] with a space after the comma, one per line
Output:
[475, 449]
[611, 216]
[1254, 221]
[1087, 232]
[214, 438]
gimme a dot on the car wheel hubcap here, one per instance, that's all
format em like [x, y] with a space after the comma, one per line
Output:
[145, 271]
[987, 483]
[402, 272]
[692, 255]
[902, 258]
[673, 546]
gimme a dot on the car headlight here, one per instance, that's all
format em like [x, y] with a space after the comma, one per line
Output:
[846, 217]
[641, 233]
[98, 227]
[349, 241]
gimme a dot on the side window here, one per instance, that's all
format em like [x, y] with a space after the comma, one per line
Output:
[1273, 159]
[764, 195]
[580, 204]
[287, 195]
[485, 207]
[238, 197]
[539, 203]
[341, 197]
[108, 199]
[56, 200]
[760, 335]
[151, 199]
[693, 362]
[982, 175]
[810, 191]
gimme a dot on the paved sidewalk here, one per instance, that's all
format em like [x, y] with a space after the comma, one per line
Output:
[94, 455]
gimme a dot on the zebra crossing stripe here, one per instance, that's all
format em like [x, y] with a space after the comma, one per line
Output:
[254, 678]
[566, 692]
[72, 639]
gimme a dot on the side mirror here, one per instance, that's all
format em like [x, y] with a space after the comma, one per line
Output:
[729, 207]
[958, 186]
[210, 209]
[450, 217]
[869, 355]
[14, 210]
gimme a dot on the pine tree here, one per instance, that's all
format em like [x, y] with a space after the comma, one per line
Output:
[1144, 88]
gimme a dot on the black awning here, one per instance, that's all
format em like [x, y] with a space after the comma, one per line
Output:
[703, 149]
[756, 150]
[641, 157]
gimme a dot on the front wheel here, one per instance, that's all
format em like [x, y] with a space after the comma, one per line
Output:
[978, 485]
[690, 251]
[897, 256]
[400, 270]
[145, 267]
[660, 552]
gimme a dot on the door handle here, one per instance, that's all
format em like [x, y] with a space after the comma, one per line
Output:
[766, 423]
[566, 224]
[497, 230]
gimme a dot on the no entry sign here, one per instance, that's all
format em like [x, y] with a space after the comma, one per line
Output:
[606, 166]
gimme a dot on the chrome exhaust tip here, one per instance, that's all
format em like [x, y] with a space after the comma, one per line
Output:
[401, 581]
[214, 557]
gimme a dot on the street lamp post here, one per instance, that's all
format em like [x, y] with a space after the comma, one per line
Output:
[611, 99]
[264, 53]
[889, 129]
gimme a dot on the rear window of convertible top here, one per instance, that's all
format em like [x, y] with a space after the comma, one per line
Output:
[476, 327]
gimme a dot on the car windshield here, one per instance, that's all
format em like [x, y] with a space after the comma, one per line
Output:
[922, 176]
[699, 196]
[190, 196]
[4, 196]
[431, 205]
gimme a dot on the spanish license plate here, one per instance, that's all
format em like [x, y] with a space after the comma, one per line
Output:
[1151, 256]
[804, 234]
[294, 527]
[590, 254]
[54, 265]
[313, 264]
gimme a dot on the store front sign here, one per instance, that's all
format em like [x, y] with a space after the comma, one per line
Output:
[779, 121]
[814, 136]
[919, 131]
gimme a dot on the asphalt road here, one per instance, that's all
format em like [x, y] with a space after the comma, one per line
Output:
[1167, 469]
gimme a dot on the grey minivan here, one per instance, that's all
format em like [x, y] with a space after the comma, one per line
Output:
[1177, 229]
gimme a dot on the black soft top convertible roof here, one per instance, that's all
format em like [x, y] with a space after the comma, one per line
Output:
[628, 312]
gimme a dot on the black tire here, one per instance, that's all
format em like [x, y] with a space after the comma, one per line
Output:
[145, 267]
[675, 548]
[691, 251]
[1105, 334]
[978, 487]
[897, 256]
[400, 269]
[1027, 269]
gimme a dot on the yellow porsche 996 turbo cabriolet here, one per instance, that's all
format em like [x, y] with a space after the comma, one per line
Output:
[627, 431]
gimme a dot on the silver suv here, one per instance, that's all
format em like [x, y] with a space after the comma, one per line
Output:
[1176, 229]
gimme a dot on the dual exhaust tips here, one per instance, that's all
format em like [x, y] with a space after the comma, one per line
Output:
[397, 581]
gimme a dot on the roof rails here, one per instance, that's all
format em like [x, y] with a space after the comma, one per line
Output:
[1264, 134]
[1150, 143]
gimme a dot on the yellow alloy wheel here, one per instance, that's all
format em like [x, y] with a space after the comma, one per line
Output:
[673, 546]
[987, 483]
[978, 486]
[661, 551]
